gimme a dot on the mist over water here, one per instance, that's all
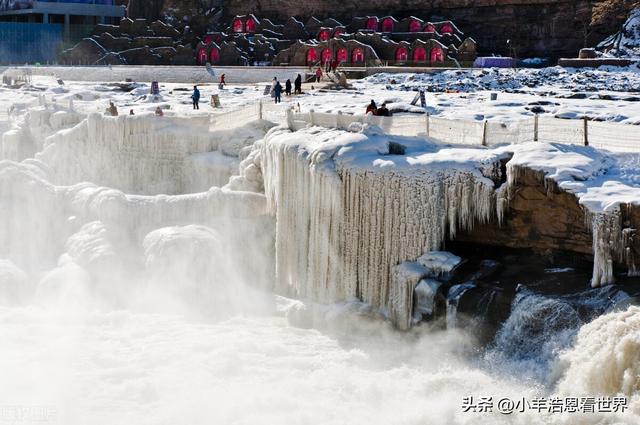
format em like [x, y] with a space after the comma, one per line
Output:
[128, 309]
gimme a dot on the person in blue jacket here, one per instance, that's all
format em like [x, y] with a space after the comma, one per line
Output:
[196, 97]
[277, 91]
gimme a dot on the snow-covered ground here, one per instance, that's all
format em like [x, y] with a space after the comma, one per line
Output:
[606, 94]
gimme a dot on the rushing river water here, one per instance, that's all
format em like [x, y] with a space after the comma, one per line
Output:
[103, 367]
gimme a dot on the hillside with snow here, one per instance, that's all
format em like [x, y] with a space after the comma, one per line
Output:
[626, 42]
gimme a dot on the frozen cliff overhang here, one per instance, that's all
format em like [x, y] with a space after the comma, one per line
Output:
[348, 208]
[352, 205]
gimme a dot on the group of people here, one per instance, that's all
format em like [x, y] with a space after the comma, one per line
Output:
[113, 110]
[381, 111]
[276, 88]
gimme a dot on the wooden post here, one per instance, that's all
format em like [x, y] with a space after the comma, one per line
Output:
[428, 124]
[535, 128]
[260, 110]
[338, 119]
[586, 132]
[311, 117]
[484, 133]
[290, 119]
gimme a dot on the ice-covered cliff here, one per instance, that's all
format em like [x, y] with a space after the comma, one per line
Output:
[351, 205]
[141, 154]
[348, 207]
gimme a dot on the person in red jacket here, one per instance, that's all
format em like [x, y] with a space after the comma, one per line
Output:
[318, 74]
[372, 108]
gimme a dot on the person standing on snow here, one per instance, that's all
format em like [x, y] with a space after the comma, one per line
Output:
[383, 111]
[196, 98]
[298, 85]
[112, 109]
[273, 86]
[287, 88]
[371, 108]
[277, 91]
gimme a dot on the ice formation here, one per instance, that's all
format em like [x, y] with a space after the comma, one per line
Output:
[12, 283]
[41, 218]
[603, 183]
[145, 154]
[28, 135]
[405, 277]
[453, 298]
[347, 211]
[439, 263]
[425, 293]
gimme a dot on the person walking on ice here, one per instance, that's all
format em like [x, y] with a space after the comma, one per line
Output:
[277, 92]
[196, 98]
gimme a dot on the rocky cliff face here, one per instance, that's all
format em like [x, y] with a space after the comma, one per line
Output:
[148, 9]
[536, 27]
[549, 220]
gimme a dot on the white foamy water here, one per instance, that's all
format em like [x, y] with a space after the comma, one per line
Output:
[122, 305]
[127, 368]
[133, 368]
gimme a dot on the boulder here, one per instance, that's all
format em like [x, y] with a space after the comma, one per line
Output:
[126, 26]
[111, 58]
[184, 55]
[115, 44]
[88, 51]
[589, 53]
[163, 30]
[111, 29]
[152, 42]
[142, 56]
[139, 27]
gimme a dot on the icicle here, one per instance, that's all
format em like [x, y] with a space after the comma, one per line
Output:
[404, 279]
[340, 229]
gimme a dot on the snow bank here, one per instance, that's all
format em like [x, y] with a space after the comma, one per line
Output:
[526, 79]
